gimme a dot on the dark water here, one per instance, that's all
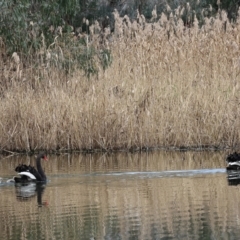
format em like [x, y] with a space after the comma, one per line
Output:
[160, 195]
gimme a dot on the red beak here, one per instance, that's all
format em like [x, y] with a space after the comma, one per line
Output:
[45, 158]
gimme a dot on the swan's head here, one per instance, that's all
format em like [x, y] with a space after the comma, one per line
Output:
[43, 156]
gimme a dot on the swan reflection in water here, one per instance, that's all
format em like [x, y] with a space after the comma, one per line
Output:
[28, 191]
[233, 168]
[233, 177]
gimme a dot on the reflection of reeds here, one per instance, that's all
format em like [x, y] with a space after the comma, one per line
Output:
[168, 85]
[98, 203]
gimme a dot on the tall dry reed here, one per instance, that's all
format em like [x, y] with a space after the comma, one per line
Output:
[168, 86]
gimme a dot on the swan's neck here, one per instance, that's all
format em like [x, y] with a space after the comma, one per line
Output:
[40, 169]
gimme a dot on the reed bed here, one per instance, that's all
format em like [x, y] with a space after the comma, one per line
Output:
[169, 86]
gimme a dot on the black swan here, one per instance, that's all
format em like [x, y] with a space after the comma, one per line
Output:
[29, 173]
[233, 161]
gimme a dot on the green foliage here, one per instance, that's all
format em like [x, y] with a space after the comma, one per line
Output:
[231, 6]
[23, 22]
[29, 27]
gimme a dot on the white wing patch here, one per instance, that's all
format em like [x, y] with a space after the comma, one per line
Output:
[28, 174]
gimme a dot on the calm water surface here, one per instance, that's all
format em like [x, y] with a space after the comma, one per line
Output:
[160, 195]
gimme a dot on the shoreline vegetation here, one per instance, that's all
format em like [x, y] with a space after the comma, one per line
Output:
[169, 86]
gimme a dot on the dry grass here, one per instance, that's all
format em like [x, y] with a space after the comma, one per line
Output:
[168, 86]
